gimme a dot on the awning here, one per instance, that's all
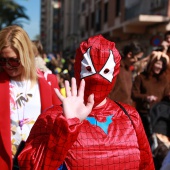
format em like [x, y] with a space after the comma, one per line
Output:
[141, 22]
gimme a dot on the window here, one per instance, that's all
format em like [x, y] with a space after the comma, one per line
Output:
[83, 6]
[118, 7]
[92, 20]
[87, 23]
[98, 18]
[105, 12]
[156, 4]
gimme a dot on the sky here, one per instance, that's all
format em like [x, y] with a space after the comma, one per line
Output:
[32, 27]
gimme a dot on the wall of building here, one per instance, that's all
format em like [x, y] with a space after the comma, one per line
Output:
[126, 20]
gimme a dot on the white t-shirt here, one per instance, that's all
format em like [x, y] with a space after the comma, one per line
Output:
[25, 106]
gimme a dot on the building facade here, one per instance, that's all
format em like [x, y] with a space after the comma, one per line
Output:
[49, 25]
[117, 20]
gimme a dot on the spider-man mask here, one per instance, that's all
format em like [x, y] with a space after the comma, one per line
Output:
[97, 62]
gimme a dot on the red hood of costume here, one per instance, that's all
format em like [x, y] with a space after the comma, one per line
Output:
[97, 62]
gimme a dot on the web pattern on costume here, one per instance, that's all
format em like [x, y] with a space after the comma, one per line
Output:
[86, 146]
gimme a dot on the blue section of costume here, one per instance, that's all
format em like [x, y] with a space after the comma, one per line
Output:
[62, 167]
[103, 125]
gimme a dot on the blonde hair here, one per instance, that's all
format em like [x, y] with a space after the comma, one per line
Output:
[17, 39]
[39, 47]
[35, 50]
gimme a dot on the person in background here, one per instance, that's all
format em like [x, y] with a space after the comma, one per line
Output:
[166, 43]
[150, 87]
[131, 53]
[139, 66]
[52, 63]
[24, 93]
[62, 77]
[166, 162]
[39, 61]
[69, 65]
[90, 131]
[166, 49]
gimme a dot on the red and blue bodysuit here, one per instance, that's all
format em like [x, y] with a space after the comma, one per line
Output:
[108, 139]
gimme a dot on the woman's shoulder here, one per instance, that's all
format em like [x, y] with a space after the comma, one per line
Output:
[3, 75]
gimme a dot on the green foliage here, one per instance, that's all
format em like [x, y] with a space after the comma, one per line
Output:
[11, 13]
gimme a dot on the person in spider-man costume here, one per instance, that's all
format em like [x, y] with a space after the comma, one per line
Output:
[89, 131]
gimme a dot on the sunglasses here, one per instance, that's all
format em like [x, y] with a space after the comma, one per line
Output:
[13, 62]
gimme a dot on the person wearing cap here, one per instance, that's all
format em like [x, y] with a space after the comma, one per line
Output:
[89, 131]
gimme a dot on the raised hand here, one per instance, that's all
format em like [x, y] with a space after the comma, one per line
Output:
[151, 98]
[73, 104]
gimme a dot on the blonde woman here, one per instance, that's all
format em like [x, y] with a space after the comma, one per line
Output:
[24, 92]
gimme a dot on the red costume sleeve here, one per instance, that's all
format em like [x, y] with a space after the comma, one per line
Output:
[46, 146]
[54, 140]
[53, 81]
